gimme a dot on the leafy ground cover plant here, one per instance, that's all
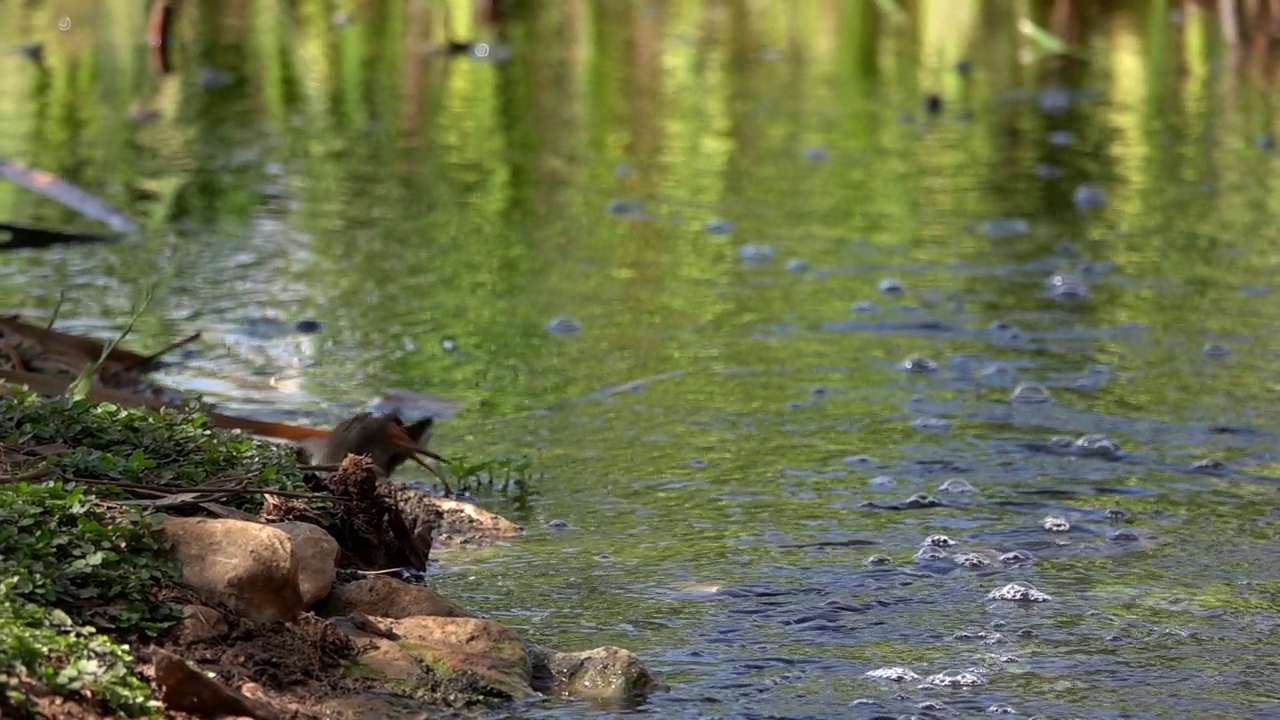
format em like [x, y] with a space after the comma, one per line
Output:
[77, 580]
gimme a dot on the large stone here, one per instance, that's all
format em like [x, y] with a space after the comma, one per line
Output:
[317, 554]
[605, 674]
[249, 567]
[484, 648]
[453, 522]
[382, 658]
[452, 657]
[382, 596]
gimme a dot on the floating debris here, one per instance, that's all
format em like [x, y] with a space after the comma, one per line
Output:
[1117, 515]
[1018, 592]
[55, 188]
[23, 237]
[816, 154]
[879, 560]
[797, 265]
[865, 306]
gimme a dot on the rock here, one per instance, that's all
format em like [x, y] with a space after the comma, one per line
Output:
[382, 596]
[317, 554]
[202, 624]
[458, 522]
[186, 689]
[460, 646]
[371, 705]
[459, 660]
[383, 658]
[249, 567]
[605, 674]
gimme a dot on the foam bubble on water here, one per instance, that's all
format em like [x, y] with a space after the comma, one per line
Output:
[1019, 592]
[894, 673]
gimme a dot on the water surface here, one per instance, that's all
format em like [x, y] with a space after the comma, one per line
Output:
[656, 252]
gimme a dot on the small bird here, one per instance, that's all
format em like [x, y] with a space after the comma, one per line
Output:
[385, 439]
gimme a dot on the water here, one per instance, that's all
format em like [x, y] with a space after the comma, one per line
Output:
[828, 296]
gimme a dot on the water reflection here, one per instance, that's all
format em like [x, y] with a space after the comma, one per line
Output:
[636, 249]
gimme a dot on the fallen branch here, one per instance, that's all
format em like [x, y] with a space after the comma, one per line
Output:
[55, 188]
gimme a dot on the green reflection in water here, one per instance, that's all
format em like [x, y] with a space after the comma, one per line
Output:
[342, 172]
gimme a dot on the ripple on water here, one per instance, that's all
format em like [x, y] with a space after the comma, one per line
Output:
[564, 325]
[956, 485]
[756, 253]
[891, 286]
[1088, 196]
[956, 679]
[1067, 288]
[1030, 394]
[1001, 228]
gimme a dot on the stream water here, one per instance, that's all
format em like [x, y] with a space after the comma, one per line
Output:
[761, 321]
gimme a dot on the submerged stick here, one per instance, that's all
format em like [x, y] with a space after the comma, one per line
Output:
[55, 188]
[142, 362]
[159, 25]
